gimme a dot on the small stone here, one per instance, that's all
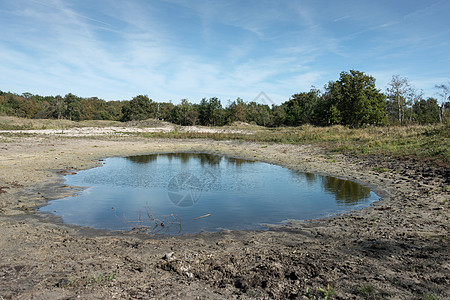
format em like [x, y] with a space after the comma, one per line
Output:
[168, 256]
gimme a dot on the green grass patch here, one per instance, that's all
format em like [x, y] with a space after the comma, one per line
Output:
[430, 142]
[426, 142]
[380, 169]
[370, 293]
[430, 297]
[96, 280]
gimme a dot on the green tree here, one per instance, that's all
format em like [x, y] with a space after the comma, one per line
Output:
[236, 111]
[184, 114]
[413, 97]
[27, 95]
[300, 107]
[165, 111]
[96, 109]
[278, 115]
[217, 116]
[139, 108]
[20, 106]
[73, 107]
[13, 105]
[258, 113]
[57, 107]
[203, 110]
[211, 112]
[426, 111]
[355, 100]
[326, 113]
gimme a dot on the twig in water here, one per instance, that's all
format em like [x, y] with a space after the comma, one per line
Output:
[152, 223]
[207, 215]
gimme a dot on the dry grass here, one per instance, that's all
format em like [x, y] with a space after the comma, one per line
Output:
[419, 141]
[14, 123]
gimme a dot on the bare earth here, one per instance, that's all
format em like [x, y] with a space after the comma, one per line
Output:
[398, 248]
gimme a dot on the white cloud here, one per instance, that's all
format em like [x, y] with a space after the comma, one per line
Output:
[135, 47]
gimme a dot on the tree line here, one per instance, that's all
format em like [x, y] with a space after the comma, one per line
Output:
[353, 100]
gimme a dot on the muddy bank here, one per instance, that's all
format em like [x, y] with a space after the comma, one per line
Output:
[397, 248]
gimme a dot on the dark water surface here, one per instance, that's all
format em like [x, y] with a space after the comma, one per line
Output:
[165, 193]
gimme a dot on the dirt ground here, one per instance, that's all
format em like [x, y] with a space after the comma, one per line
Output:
[398, 248]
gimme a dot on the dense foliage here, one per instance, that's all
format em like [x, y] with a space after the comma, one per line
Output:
[353, 100]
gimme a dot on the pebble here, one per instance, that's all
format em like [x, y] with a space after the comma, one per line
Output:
[168, 256]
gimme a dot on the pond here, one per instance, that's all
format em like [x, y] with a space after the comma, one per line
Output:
[193, 192]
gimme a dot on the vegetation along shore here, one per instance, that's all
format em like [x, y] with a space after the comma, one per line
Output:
[395, 142]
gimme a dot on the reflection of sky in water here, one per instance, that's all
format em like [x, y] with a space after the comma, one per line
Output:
[239, 194]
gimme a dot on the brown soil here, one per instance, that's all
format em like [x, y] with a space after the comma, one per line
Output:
[397, 248]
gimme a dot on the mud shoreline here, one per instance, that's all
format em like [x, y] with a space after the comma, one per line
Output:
[396, 248]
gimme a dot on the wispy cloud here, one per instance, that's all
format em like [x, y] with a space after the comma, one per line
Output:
[174, 49]
[147, 60]
[58, 5]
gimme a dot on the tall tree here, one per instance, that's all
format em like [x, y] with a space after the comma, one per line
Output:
[300, 107]
[216, 114]
[211, 112]
[278, 115]
[58, 107]
[444, 93]
[356, 100]
[397, 95]
[426, 111]
[139, 108]
[184, 113]
[326, 113]
[73, 107]
[165, 110]
[413, 96]
[236, 111]
[258, 113]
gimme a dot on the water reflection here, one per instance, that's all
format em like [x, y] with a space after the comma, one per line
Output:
[208, 159]
[143, 159]
[235, 193]
[310, 178]
[185, 157]
[239, 161]
[345, 191]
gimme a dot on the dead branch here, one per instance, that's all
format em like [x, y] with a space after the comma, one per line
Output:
[152, 223]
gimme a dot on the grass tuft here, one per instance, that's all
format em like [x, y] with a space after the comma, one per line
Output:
[429, 142]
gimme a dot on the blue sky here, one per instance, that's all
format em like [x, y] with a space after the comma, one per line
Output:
[173, 49]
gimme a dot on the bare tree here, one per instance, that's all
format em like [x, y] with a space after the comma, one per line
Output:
[444, 92]
[413, 96]
[397, 94]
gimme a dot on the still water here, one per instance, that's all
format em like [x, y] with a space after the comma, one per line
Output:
[190, 192]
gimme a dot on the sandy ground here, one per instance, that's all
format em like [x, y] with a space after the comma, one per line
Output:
[396, 249]
[123, 130]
